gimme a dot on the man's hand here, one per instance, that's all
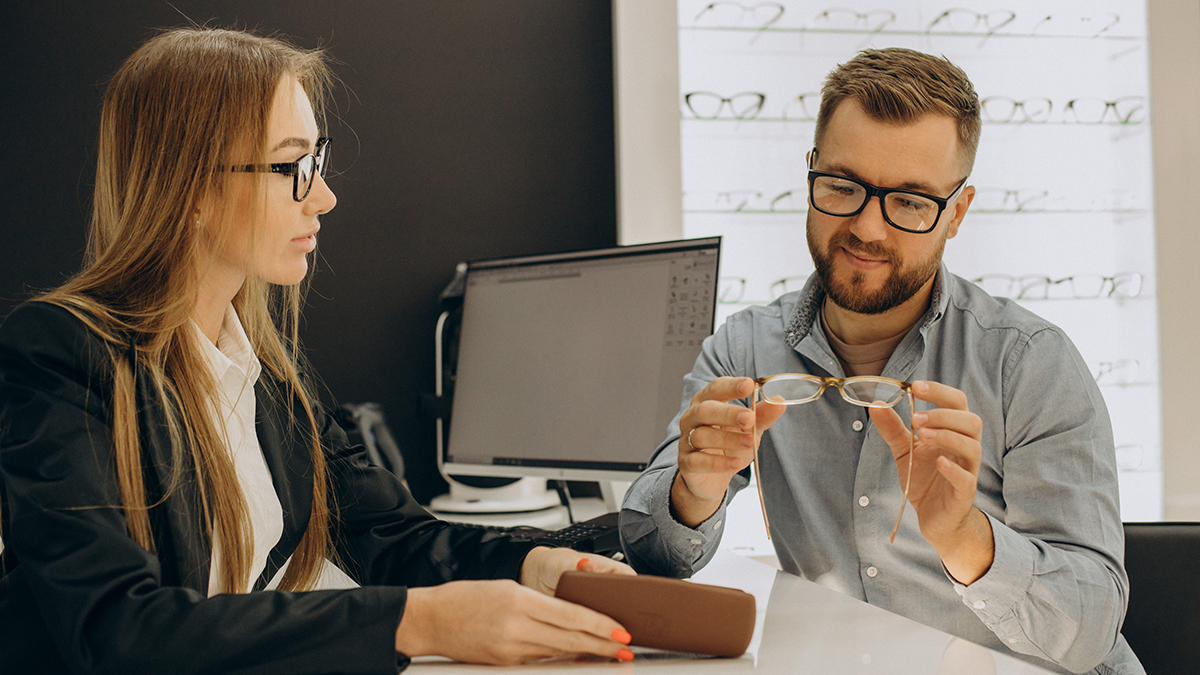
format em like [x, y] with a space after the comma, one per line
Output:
[945, 471]
[717, 442]
[503, 623]
[543, 566]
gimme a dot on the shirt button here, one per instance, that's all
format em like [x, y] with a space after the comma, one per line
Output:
[864, 500]
[716, 525]
[697, 542]
[979, 604]
[1013, 641]
[872, 572]
[857, 426]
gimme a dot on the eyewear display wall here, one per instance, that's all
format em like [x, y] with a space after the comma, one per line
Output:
[1061, 220]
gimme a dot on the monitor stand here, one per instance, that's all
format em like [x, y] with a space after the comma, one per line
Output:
[526, 494]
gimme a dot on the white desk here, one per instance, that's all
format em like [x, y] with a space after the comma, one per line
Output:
[801, 628]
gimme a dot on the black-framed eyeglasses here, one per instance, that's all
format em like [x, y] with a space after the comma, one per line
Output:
[302, 171]
[905, 210]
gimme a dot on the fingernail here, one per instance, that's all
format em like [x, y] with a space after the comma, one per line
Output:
[581, 564]
[747, 441]
[927, 434]
[621, 635]
[920, 387]
[625, 655]
[733, 464]
[745, 418]
[920, 419]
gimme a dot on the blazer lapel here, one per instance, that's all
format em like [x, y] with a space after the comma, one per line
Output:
[289, 458]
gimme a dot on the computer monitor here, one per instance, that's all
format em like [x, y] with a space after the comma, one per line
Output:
[571, 365]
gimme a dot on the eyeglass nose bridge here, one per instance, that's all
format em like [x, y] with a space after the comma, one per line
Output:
[905, 389]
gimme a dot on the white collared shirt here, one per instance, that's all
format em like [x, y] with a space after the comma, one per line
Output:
[236, 369]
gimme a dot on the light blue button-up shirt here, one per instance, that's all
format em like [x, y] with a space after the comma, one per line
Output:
[1057, 589]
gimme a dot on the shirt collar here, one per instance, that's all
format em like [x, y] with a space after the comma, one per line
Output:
[232, 348]
[808, 306]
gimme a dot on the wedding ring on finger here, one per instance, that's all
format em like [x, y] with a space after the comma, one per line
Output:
[689, 438]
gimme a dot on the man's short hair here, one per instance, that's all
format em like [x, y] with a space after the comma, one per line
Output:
[900, 86]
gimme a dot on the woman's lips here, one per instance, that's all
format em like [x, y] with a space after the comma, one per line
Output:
[307, 244]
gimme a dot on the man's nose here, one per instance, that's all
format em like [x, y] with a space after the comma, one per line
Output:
[869, 224]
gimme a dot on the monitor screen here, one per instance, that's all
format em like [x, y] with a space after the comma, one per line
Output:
[571, 365]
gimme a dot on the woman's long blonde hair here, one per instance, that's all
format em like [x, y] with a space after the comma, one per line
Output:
[188, 103]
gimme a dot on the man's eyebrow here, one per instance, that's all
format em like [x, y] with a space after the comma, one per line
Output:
[915, 186]
[293, 142]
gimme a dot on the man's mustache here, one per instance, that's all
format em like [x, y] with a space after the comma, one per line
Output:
[872, 250]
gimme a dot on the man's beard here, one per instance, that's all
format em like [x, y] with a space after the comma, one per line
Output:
[901, 285]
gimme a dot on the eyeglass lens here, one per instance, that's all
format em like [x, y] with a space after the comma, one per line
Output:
[307, 168]
[843, 197]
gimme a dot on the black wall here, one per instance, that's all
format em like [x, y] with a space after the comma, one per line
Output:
[465, 129]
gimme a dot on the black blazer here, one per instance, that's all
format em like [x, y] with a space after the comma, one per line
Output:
[78, 595]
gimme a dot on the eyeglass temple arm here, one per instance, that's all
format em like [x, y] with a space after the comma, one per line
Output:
[757, 473]
[912, 439]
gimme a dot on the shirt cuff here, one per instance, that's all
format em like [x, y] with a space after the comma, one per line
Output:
[690, 545]
[654, 541]
[995, 596]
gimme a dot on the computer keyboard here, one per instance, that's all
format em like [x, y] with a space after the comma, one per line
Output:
[598, 535]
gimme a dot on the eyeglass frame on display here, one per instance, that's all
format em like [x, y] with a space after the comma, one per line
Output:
[762, 99]
[1128, 447]
[784, 282]
[1016, 104]
[881, 193]
[1123, 120]
[319, 160]
[799, 98]
[746, 9]
[979, 16]
[1106, 368]
[839, 382]
[1033, 32]
[738, 282]
[1024, 283]
[980, 202]
[864, 16]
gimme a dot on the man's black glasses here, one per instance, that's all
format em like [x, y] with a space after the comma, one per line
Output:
[905, 210]
[302, 170]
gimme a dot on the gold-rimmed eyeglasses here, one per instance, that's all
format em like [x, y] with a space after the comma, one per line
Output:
[867, 391]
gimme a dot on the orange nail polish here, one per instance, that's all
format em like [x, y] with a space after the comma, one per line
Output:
[625, 655]
[579, 565]
[622, 636]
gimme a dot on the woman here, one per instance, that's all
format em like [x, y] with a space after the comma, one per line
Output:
[163, 457]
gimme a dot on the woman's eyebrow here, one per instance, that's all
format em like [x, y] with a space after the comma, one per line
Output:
[293, 141]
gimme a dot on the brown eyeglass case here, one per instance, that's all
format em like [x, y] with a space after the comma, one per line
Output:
[667, 613]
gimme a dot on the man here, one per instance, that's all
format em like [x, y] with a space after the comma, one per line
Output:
[1017, 539]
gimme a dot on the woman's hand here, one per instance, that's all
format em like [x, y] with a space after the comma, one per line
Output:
[503, 623]
[543, 566]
